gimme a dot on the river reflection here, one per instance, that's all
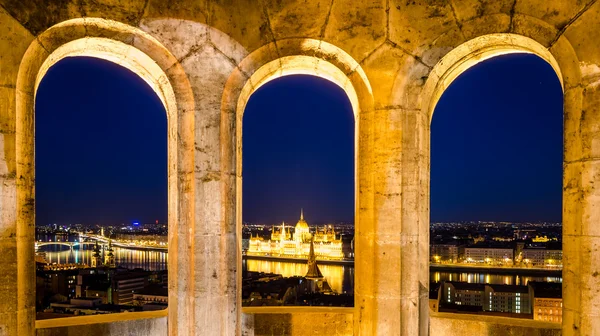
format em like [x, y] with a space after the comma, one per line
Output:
[82, 254]
[340, 278]
[147, 260]
[482, 278]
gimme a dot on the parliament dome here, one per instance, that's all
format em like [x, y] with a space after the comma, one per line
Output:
[302, 224]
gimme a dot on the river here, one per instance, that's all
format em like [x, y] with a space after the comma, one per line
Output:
[340, 277]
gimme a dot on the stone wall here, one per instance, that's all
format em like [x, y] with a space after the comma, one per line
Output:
[130, 324]
[293, 321]
[463, 324]
[267, 321]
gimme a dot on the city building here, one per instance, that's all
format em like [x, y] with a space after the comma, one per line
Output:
[125, 285]
[113, 286]
[96, 257]
[284, 243]
[446, 253]
[489, 297]
[101, 291]
[547, 301]
[507, 298]
[541, 257]
[153, 297]
[55, 285]
[109, 257]
[463, 294]
[489, 255]
[316, 280]
[87, 278]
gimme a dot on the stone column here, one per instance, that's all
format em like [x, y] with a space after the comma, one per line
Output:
[8, 216]
[17, 286]
[581, 212]
[205, 273]
[392, 266]
[392, 232]
[415, 222]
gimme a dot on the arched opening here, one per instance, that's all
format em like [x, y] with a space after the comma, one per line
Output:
[496, 190]
[158, 68]
[101, 176]
[298, 190]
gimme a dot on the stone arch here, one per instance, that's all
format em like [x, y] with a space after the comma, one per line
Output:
[290, 57]
[145, 56]
[563, 60]
[475, 51]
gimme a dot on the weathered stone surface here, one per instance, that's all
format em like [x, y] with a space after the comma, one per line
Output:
[290, 321]
[382, 65]
[14, 40]
[246, 21]
[416, 24]
[182, 37]
[488, 24]
[188, 10]
[334, 321]
[466, 10]
[555, 13]
[288, 18]
[584, 37]
[131, 324]
[538, 30]
[38, 16]
[458, 325]
[359, 27]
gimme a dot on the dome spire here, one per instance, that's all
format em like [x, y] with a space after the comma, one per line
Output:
[301, 214]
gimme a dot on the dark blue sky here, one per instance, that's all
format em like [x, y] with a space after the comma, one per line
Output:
[298, 151]
[496, 143]
[101, 147]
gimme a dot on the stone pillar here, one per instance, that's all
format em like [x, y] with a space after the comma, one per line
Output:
[392, 232]
[415, 222]
[17, 301]
[8, 222]
[581, 212]
[205, 273]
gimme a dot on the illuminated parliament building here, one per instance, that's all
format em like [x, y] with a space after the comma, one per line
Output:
[284, 243]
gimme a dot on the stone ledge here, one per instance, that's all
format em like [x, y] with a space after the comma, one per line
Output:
[292, 321]
[134, 324]
[258, 321]
[294, 310]
[449, 324]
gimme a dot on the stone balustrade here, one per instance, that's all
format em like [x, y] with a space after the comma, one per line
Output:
[263, 321]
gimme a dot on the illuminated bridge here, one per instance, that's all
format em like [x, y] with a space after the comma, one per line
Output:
[69, 244]
[117, 243]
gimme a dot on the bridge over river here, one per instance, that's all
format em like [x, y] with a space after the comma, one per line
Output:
[71, 245]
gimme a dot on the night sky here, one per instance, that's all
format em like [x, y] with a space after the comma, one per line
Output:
[496, 143]
[101, 147]
[298, 152]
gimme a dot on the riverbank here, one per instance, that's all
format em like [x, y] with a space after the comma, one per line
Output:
[496, 270]
[300, 260]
